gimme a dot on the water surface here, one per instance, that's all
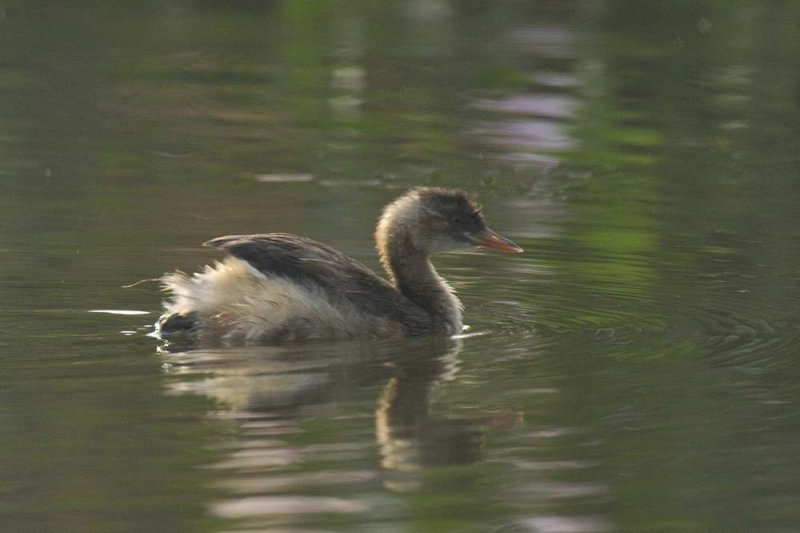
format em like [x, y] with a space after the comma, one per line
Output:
[635, 370]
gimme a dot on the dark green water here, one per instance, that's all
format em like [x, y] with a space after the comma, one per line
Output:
[635, 370]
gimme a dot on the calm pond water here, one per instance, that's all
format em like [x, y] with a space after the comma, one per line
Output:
[635, 370]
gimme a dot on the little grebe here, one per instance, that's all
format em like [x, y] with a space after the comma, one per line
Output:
[278, 287]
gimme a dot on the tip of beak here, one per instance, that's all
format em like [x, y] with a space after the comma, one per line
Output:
[506, 249]
[493, 241]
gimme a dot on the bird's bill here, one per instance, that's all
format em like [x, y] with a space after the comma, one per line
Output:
[494, 241]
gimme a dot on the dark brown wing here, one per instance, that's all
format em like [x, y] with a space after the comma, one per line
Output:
[313, 264]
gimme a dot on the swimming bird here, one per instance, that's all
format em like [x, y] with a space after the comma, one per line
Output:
[277, 287]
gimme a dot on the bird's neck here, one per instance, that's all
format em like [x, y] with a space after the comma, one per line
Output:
[412, 273]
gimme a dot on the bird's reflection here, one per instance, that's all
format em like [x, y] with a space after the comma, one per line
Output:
[409, 434]
[287, 382]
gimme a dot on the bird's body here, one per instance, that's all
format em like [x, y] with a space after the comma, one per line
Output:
[279, 287]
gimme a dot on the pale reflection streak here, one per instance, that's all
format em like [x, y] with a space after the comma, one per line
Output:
[271, 505]
[348, 76]
[532, 125]
[563, 524]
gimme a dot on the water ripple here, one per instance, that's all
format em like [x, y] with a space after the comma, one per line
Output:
[745, 342]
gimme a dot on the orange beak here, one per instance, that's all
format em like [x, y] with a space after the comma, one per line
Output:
[489, 239]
